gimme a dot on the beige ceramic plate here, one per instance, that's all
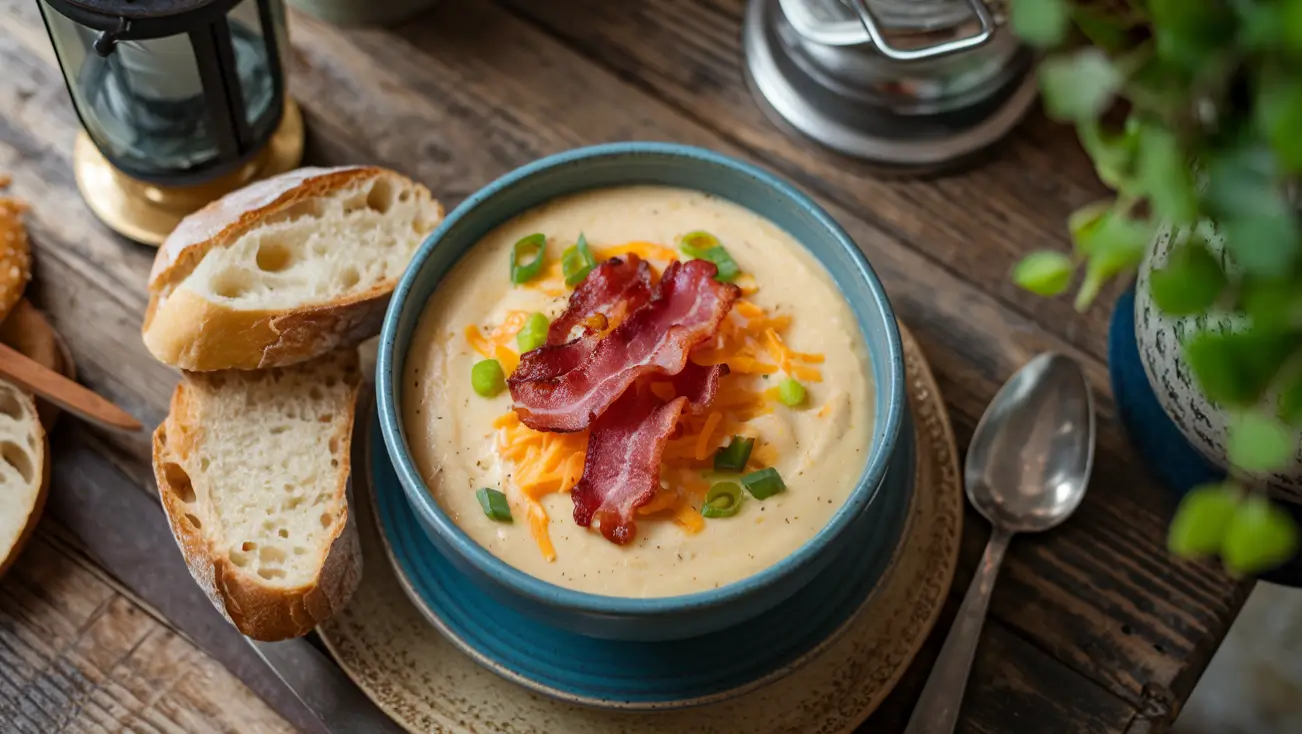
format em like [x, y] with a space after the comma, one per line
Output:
[416, 676]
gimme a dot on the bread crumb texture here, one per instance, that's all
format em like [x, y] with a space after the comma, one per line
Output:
[259, 460]
[22, 464]
[336, 246]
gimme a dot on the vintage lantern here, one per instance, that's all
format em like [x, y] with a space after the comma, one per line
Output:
[180, 102]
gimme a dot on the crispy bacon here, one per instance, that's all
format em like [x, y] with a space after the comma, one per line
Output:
[621, 471]
[610, 284]
[564, 387]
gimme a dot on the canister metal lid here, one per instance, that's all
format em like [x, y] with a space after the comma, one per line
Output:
[836, 23]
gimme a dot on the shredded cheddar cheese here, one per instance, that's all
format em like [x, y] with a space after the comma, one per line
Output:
[749, 341]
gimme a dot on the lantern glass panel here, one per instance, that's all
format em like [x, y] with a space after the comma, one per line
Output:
[143, 103]
[248, 37]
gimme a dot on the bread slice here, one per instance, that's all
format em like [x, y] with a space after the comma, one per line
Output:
[252, 469]
[24, 471]
[285, 269]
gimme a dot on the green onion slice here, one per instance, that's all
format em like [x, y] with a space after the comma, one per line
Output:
[533, 334]
[764, 483]
[696, 244]
[723, 500]
[791, 393]
[734, 456]
[705, 246]
[494, 504]
[528, 257]
[577, 261]
[487, 377]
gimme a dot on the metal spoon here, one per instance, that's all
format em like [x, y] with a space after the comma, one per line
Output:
[1026, 471]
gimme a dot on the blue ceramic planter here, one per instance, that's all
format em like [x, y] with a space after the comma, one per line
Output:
[621, 164]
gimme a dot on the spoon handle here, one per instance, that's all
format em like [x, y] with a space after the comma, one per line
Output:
[937, 709]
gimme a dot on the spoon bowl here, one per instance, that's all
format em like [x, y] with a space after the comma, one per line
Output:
[1032, 452]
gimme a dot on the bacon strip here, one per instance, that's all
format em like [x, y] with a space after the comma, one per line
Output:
[621, 471]
[564, 387]
[611, 283]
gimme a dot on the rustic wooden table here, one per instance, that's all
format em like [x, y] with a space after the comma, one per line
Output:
[1093, 627]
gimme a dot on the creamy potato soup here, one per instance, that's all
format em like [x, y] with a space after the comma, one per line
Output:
[790, 331]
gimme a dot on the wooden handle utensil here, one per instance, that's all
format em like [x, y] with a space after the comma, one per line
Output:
[63, 392]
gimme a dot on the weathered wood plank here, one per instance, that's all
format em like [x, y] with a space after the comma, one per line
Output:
[75, 656]
[975, 224]
[1005, 691]
[477, 74]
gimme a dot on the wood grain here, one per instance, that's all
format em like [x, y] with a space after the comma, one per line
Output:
[77, 656]
[475, 89]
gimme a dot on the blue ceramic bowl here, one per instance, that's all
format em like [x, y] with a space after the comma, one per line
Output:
[673, 617]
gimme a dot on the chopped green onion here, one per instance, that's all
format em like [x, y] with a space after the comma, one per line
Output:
[533, 334]
[535, 246]
[734, 456]
[791, 393]
[705, 246]
[487, 378]
[577, 261]
[696, 244]
[723, 500]
[764, 483]
[494, 504]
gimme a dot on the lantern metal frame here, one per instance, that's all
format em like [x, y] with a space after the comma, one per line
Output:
[205, 23]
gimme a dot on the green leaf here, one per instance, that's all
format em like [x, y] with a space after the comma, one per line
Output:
[1191, 281]
[1259, 442]
[1078, 86]
[1162, 174]
[1266, 243]
[1279, 117]
[1201, 521]
[1044, 273]
[1290, 21]
[1113, 244]
[1189, 32]
[1290, 402]
[1107, 31]
[1261, 536]
[1272, 303]
[1235, 368]
[1041, 22]
[1259, 224]
[1113, 153]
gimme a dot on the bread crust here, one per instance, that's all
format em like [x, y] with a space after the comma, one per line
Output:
[42, 491]
[185, 330]
[256, 609]
[15, 252]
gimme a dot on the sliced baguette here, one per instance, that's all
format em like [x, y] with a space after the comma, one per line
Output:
[24, 471]
[252, 469]
[286, 269]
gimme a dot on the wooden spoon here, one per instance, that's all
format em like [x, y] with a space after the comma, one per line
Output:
[63, 392]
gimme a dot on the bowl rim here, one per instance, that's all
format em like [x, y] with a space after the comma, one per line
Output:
[890, 400]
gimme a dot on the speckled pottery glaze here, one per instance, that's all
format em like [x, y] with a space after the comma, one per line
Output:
[1159, 336]
[388, 646]
[673, 617]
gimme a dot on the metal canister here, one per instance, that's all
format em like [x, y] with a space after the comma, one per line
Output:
[908, 83]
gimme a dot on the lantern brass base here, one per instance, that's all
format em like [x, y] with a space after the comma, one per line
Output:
[147, 212]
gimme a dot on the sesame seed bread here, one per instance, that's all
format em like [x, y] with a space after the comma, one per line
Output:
[15, 252]
[285, 269]
[24, 471]
[252, 470]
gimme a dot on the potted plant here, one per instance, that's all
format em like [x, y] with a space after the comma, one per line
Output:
[1191, 111]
